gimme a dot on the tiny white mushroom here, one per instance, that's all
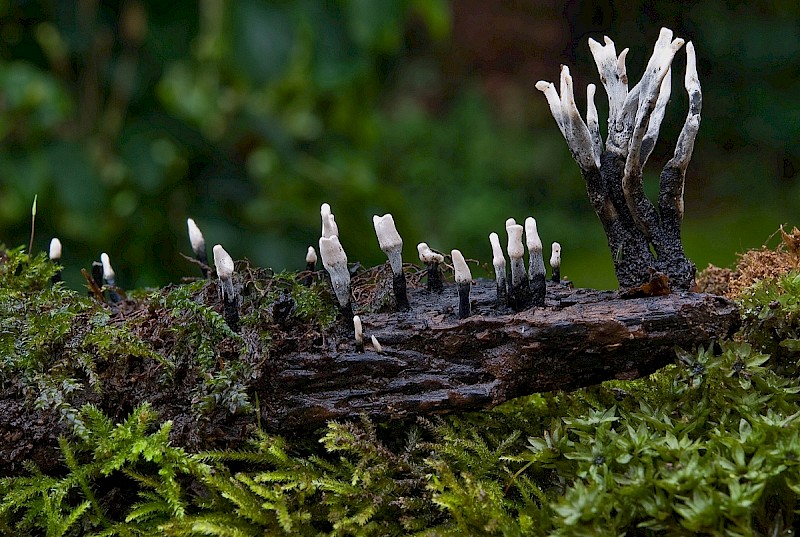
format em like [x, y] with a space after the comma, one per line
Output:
[392, 245]
[519, 294]
[432, 260]
[463, 278]
[359, 333]
[55, 249]
[198, 243]
[375, 344]
[224, 265]
[555, 262]
[108, 272]
[311, 256]
[499, 263]
[534, 243]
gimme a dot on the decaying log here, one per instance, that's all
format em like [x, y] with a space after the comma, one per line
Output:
[433, 363]
[430, 363]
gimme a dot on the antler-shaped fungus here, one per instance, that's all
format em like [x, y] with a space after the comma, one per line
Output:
[613, 174]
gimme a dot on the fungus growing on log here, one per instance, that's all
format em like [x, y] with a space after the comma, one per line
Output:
[392, 245]
[519, 293]
[499, 263]
[335, 262]
[555, 262]
[198, 243]
[109, 278]
[432, 261]
[537, 274]
[613, 174]
[463, 278]
[224, 265]
[55, 256]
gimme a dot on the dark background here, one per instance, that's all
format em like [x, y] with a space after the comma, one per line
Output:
[127, 117]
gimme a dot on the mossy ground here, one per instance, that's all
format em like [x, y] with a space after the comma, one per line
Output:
[709, 445]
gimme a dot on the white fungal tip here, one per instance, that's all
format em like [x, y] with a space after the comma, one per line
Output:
[196, 238]
[375, 344]
[555, 257]
[510, 222]
[532, 239]
[108, 272]
[332, 253]
[311, 255]
[329, 227]
[358, 329]
[543, 85]
[498, 259]
[428, 256]
[460, 266]
[55, 248]
[385, 229]
[223, 262]
[515, 248]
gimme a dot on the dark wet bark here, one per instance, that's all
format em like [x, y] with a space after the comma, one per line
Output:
[432, 363]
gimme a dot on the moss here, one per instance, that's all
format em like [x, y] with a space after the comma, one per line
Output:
[709, 445]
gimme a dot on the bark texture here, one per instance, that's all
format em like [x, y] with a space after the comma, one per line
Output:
[431, 363]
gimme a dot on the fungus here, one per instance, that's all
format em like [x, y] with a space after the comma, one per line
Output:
[224, 265]
[375, 344]
[555, 262]
[55, 257]
[499, 262]
[519, 295]
[359, 332]
[392, 245]
[198, 243]
[464, 282]
[329, 227]
[537, 273]
[311, 266]
[432, 261]
[335, 262]
[97, 280]
[109, 278]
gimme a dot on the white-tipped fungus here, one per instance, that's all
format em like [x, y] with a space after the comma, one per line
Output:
[555, 262]
[375, 344]
[534, 243]
[359, 333]
[392, 245]
[108, 272]
[432, 260]
[224, 265]
[55, 249]
[335, 262]
[198, 243]
[463, 278]
[499, 263]
[389, 240]
[519, 295]
[329, 227]
[311, 256]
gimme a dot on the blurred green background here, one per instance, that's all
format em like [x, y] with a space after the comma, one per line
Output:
[127, 117]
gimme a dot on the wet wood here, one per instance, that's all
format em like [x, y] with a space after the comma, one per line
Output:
[434, 363]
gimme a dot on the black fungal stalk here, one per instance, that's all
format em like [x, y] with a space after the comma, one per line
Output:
[537, 274]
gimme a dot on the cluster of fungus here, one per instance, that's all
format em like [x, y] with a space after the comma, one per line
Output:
[644, 241]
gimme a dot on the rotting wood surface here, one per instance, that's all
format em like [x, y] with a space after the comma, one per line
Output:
[431, 363]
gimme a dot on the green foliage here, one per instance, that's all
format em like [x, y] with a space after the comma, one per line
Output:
[122, 456]
[771, 317]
